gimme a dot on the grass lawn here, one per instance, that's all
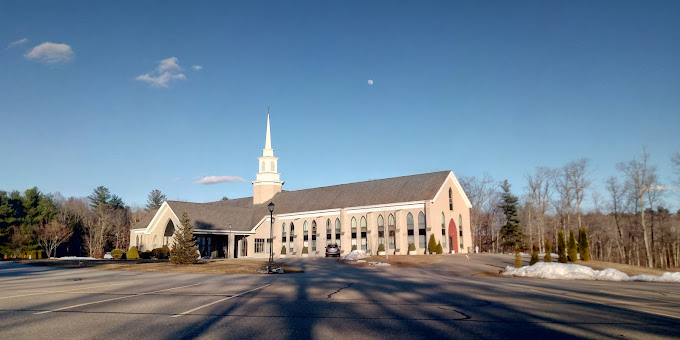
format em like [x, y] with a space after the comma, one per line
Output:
[164, 266]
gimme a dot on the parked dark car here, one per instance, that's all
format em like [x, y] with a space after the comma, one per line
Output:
[332, 250]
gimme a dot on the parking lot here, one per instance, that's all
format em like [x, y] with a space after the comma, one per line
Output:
[330, 299]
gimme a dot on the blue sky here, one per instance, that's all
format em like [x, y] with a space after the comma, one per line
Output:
[497, 87]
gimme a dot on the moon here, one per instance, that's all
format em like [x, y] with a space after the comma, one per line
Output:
[370, 82]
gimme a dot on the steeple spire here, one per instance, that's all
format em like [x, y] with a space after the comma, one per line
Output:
[268, 139]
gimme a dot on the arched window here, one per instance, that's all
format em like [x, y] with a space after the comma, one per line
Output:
[292, 234]
[450, 199]
[460, 230]
[409, 228]
[305, 235]
[155, 242]
[137, 242]
[313, 235]
[169, 231]
[364, 230]
[284, 239]
[381, 230]
[391, 231]
[273, 168]
[354, 233]
[443, 231]
[329, 231]
[421, 230]
[338, 229]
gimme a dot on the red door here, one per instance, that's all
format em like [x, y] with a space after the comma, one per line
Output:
[453, 236]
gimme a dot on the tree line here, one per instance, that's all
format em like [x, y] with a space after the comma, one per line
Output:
[626, 223]
[32, 222]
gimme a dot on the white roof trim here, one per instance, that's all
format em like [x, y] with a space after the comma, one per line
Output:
[156, 218]
[458, 187]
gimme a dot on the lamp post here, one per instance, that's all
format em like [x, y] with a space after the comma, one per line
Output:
[271, 239]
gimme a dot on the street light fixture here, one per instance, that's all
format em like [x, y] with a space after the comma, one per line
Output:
[271, 231]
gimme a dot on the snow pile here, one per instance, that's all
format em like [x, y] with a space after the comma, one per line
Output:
[378, 264]
[565, 271]
[355, 255]
[107, 256]
[360, 261]
[75, 258]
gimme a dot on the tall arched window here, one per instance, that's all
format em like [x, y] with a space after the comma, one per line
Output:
[284, 238]
[291, 238]
[391, 231]
[305, 234]
[313, 235]
[338, 230]
[409, 228]
[421, 229]
[354, 233]
[329, 231]
[137, 242]
[443, 231]
[169, 231]
[381, 230]
[155, 240]
[460, 230]
[450, 199]
[364, 230]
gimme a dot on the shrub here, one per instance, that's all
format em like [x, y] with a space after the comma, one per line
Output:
[518, 259]
[381, 247]
[583, 244]
[411, 247]
[167, 250]
[439, 248]
[572, 253]
[548, 252]
[283, 250]
[354, 247]
[117, 253]
[160, 253]
[561, 247]
[132, 254]
[534, 255]
[432, 245]
[146, 255]
[184, 249]
[305, 250]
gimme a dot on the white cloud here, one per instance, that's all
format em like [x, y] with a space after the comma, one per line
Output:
[197, 67]
[50, 53]
[18, 42]
[219, 179]
[167, 71]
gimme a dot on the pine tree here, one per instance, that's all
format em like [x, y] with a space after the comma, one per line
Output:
[572, 252]
[548, 251]
[534, 255]
[155, 199]
[432, 245]
[583, 244]
[184, 250]
[561, 247]
[511, 232]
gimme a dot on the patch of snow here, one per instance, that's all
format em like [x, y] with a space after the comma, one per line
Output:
[75, 258]
[379, 264]
[564, 271]
[360, 261]
[355, 255]
[107, 256]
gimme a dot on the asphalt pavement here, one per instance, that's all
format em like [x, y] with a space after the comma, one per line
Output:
[331, 300]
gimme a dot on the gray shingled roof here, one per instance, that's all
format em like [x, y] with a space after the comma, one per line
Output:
[242, 215]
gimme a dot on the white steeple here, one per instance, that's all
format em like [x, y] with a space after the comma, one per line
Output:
[268, 181]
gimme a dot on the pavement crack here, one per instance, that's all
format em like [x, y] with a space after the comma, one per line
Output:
[339, 289]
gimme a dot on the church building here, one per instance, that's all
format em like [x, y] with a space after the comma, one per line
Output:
[394, 212]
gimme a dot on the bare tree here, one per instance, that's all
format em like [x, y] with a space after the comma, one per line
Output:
[539, 187]
[562, 185]
[479, 192]
[641, 178]
[579, 179]
[616, 192]
[52, 234]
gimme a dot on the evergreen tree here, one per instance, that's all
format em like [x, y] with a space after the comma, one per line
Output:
[534, 255]
[548, 251]
[584, 244]
[572, 252]
[561, 247]
[511, 232]
[155, 199]
[184, 250]
[432, 245]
